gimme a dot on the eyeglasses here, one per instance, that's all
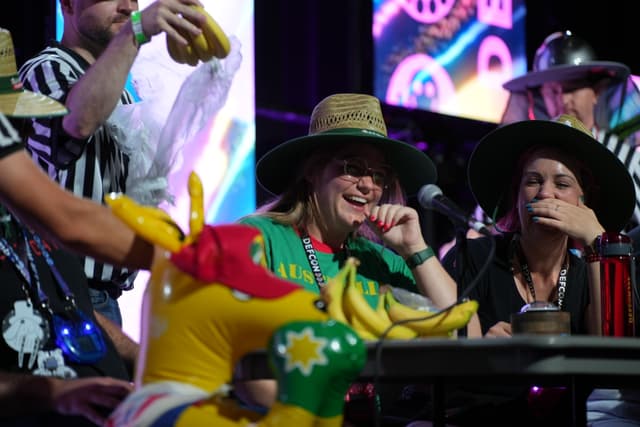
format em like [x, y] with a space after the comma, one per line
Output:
[358, 168]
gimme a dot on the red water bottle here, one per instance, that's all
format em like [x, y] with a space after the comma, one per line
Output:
[617, 285]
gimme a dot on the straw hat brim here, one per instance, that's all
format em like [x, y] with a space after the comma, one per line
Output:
[277, 169]
[27, 104]
[535, 79]
[492, 167]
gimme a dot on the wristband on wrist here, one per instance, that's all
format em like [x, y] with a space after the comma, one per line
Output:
[136, 24]
[419, 257]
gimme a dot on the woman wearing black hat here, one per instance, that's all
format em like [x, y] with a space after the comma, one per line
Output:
[551, 187]
[567, 78]
[338, 189]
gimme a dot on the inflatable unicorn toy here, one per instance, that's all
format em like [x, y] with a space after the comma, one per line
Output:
[210, 301]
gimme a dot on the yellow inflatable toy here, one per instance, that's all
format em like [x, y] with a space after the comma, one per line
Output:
[210, 301]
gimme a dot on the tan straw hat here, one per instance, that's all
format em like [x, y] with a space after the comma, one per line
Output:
[14, 100]
[340, 119]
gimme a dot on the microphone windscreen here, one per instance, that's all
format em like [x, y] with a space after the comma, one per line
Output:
[426, 195]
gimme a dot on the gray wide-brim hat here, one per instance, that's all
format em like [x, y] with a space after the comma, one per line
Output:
[492, 164]
[562, 57]
[337, 120]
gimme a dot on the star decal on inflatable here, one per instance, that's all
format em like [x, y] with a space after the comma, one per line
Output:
[304, 350]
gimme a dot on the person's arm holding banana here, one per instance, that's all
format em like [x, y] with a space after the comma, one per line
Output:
[95, 95]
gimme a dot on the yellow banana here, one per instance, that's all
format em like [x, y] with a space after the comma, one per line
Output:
[438, 325]
[190, 55]
[398, 331]
[360, 314]
[212, 41]
[201, 47]
[182, 54]
[217, 41]
[362, 330]
[335, 290]
[152, 224]
[176, 52]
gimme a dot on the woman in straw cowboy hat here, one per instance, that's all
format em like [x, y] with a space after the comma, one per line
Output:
[339, 188]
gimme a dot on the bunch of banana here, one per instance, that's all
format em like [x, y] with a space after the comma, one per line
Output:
[427, 324]
[212, 41]
[335, 290]
[347, 305]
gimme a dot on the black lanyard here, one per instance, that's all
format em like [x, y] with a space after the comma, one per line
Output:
[76, 334]
[30, 274]
[562, 279]
[307, 245]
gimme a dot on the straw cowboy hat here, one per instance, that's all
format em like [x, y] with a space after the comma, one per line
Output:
[14, 100]
[336, 120]
[561, 57]
[492, 166]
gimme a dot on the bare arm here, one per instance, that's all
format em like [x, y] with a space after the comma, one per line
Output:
[473, 327]
[94, 96]
[593, 314]
[399, 227]
[257, 392]
[434, 281]
[125, 346]
[78, 224]
[28, 394]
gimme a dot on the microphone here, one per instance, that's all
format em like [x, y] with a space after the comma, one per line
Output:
[430, 197]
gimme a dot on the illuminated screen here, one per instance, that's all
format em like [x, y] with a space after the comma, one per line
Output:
[450, 56]
[222, 154]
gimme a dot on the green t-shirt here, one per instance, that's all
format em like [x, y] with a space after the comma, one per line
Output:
[287, 258]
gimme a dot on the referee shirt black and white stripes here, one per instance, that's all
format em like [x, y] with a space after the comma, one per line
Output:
[630, 157]
[89, 167]
[9, 137]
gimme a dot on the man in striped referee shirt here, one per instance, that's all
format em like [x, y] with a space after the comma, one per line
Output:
[87, 71]
[568, 79]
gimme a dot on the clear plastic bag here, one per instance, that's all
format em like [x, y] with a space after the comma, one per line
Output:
[413, 300]
[153, 132]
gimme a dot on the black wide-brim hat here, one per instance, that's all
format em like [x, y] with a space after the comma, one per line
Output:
[338, 120]
[492, 164]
